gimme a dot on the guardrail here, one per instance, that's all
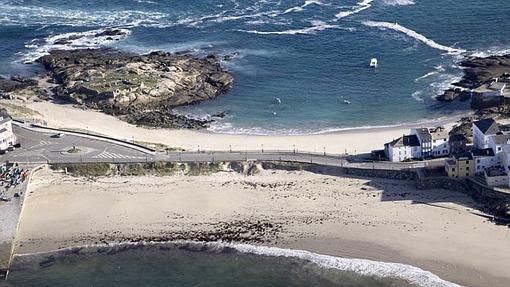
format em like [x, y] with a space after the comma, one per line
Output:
[96, 136]
[279, 156]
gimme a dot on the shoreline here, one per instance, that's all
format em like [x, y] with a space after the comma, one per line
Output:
[348, 217]
[364, 267]
[351, 141]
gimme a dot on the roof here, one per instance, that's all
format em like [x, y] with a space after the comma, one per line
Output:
[458, 138]
[438, 133]
[500, 139]
[482, 152]
[497, 86]
[487, 126]
[411, 140]
[493, 171]
[423, 133]
[464, 155]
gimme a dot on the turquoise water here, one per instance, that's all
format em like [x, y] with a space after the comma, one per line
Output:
[209, 265]
[311, 55]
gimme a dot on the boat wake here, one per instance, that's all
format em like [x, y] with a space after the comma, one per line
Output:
[413, 34]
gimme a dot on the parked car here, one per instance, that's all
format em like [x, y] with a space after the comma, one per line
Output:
[59, 135]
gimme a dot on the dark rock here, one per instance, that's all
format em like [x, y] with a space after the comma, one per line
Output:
[219, 115]
[110, 33]
[454, 94]
[141, 89]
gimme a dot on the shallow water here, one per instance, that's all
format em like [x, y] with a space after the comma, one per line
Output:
[296, 61]
[198, 265]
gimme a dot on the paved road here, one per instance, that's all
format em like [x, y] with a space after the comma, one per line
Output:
[41, 147]
[44, 147]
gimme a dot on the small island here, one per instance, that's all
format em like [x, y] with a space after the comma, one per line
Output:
[140, 89]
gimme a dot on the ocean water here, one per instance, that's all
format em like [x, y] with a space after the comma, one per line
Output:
[212, 264]
[295, 62]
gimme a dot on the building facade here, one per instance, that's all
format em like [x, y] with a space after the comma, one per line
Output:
[7, 137]
[460, 166]
[403, 148]
[482, 131]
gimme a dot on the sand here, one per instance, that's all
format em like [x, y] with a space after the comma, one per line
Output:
[378, 219]
[351, 141]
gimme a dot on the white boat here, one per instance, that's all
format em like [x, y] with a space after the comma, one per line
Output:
[347, 102]
[373, 63]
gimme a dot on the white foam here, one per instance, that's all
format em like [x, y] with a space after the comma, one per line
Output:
[34, 15]
[494, 51]
[418, 96]
[360, 6]
[316, 26]
[398, 2]
[409, 273]
[79, 40]
[413, 34]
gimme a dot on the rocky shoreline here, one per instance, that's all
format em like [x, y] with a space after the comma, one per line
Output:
[476, 86]
[140, 89]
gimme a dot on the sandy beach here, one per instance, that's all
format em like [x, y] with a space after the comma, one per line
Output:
[350, 141]
[377, 219]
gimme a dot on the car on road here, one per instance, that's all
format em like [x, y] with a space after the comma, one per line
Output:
[59, 135]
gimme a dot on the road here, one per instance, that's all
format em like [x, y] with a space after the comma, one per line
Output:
[43, 147]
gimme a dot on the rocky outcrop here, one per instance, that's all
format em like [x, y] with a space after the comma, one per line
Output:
[141, 89]
[15, 83]
[481, 70]
[454, 94]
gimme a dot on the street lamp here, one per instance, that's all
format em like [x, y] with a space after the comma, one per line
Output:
[262, 148]
[324, 148]
[198, 148]
[230, 148]
[294, 148]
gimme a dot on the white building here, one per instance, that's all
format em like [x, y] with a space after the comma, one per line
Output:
[496, 143]
[483, 159]
[7, 137]
[482, 131]
[433, 141]
[403, 148]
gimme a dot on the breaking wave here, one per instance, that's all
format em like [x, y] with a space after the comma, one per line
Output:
[70, 41]
[411, 274]
[316, 26]
[398, 2]
[363, 5]
[413, 34]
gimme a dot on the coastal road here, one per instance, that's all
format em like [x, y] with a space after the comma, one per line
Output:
[39, 146]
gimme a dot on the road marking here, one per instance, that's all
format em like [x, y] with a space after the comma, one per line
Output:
[42, 144]
[106, 154]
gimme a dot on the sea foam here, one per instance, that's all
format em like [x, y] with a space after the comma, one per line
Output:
[411, 274]
[69, 41]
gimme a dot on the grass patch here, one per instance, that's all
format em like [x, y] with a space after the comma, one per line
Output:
[159, 146]
[86, 169]
[158, 168]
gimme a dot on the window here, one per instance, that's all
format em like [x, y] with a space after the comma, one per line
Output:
[477, 161]
[499, 148]
[467, 161]
[467, 174]
[467, 167]
[453, 169]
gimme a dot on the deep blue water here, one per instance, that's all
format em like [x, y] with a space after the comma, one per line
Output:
[312, 55]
